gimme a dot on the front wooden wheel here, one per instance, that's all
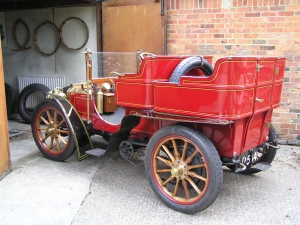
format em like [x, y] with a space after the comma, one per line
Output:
[51, 132]
[183, 168]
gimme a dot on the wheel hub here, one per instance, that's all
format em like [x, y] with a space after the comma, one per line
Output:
[52, 131]
[179, 169]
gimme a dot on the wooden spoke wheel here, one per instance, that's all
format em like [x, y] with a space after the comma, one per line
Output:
[183, 168]
[51, 131]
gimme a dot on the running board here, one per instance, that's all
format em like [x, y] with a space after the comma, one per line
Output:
[96, 152]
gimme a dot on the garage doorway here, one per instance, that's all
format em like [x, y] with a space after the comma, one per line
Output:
[132, 25]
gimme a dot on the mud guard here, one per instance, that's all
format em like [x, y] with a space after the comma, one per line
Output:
[127, 124]
[76, 124]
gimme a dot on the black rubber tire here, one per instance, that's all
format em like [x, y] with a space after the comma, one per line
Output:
[10, 94]
[206, 153]
[44, 133]
[268, 157]
[28, 90]
[188, 64]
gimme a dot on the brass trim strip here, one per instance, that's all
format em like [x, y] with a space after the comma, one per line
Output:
[153, 115]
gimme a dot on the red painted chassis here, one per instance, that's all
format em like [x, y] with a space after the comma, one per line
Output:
[228, 111]
[232, 107]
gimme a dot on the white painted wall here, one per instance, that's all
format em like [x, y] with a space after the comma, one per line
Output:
[65, 62]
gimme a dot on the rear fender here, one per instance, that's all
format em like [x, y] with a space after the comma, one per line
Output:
[75, 123]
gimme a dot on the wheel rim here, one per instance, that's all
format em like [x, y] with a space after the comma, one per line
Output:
[52, 130]
[180, 170]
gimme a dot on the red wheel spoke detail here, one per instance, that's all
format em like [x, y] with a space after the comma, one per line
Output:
[49, 116]
[190, 159]
[167, 181]
[176, 152]
[184, 151]
[186, 189]
[167, 162]
[193, 185]
[63, 140]
[45, 121]
[169, 153]
[193, 174]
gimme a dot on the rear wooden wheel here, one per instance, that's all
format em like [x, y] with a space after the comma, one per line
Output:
[183, 168]
[51, 132]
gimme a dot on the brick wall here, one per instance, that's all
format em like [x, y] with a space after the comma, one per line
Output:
[243, 27]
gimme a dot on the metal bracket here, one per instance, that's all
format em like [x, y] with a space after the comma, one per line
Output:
[273, 146]
[258, 66]
[162, 2]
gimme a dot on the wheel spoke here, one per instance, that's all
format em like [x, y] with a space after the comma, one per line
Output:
[169, 153]
[44, 120]
[55, 117]
[62, 131]
[193, 174]
[196, 166]
[176, 152]
[193, 185]
[51, 144]
[49, 116]
[167, 162]
[167, 181]
[184, 151]
[190, 159]
[164, 171]
[60, 123]
[176, 187]
[45, 138]
[186, 189]
[57, 144]
[63, 140]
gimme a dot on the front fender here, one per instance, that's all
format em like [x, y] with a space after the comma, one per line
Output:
[75, 123]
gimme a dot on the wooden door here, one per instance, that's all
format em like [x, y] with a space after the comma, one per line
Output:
[5, 164]
[132, 25]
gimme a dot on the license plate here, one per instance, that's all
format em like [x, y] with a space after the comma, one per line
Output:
[246, 157]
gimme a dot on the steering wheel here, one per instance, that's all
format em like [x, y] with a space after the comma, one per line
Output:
[146, 54]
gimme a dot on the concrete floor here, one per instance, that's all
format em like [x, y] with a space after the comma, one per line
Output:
[109, 190]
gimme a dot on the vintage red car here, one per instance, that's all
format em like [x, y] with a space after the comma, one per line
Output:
[179, 115]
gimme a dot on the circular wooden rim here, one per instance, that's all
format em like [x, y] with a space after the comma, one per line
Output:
[35, 38]
[20, 47]
[61, 37]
